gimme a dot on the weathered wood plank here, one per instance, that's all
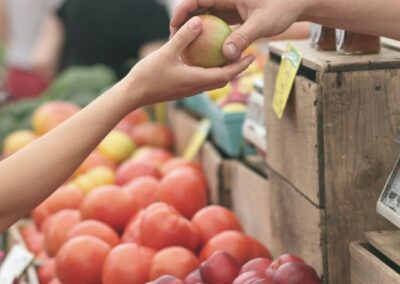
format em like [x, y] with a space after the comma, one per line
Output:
[360, 116]
[331, 62]
[367, 268]
[293, 140]
[387, 242]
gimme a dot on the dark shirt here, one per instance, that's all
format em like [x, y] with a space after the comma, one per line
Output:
[110, 32]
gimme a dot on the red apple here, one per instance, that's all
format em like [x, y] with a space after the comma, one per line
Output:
[258, 264]
[295, 273]
[129, 170]
[220, 268]
[285, 258]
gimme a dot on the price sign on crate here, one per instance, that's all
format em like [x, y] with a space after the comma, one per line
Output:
[290, 64]
[389, 201]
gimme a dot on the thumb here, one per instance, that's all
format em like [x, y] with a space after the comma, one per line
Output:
[185, 35]
[242, 37]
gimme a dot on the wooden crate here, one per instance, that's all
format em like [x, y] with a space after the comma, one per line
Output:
[184, 125]
[262, 205]
[369, 266]
[335, 144]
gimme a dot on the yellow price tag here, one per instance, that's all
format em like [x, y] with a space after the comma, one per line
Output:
[290, 64]
[197, 139]
[160, 110]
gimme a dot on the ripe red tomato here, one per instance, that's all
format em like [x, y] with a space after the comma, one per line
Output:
[66, 197]
[237, 244]
[80, 260]
[47, 271]
[58, 228]
[130, 170]
[96, 229]
[213, 220]
[175, 261]
[132, 231]
[178, 162]
[183, 190]
[128, 264]
[109, 204]
[33, 239]
[143, 191]
[162, 226]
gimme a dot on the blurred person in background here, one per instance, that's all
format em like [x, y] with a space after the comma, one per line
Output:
[20, 25]
[88, 32]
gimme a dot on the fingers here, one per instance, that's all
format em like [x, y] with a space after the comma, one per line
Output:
[220, 76]
[181, 13]
[185, 35]
[243, 36]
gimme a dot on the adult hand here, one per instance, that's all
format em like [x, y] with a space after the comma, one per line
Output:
[162, 76]
[258, 18]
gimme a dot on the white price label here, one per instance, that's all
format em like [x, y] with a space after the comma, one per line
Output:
[17, 260]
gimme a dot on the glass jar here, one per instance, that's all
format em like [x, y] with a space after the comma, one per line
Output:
[324, 38]
[352, 43]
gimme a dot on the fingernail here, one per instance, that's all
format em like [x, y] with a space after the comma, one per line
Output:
[232, 49]
[195, 23]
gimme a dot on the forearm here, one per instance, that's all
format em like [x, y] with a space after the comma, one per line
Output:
[29, 176]
[379, 17]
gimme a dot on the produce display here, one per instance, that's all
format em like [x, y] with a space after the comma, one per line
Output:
[135, 213]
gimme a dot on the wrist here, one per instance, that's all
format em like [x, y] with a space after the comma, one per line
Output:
[130, 94]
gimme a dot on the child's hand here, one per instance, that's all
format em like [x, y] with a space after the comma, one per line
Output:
[162, 76]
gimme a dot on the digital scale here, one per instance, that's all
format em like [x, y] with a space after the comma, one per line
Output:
[254, 130]
[389, 202]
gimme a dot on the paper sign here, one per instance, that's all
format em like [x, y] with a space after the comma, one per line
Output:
[290, 64]
[197, 139]
[17, 260]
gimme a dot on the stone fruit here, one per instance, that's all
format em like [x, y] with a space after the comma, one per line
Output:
[215, 219]
[96, 229]
[58, 228]
[167, 279]
[128, 264]
[47, 271]
[81, 259]
[152, 134]
[248, 277]
[184, 190]
[94, 178]
[295, 273]
[129, 170]
[143, 190]
[109, 204]
[17, 140]
[206, 49]
[94, 160]
[33, 238]
[237, 244]
[132, 230]
[163, 226]
[258, 264]
[117, 146]
[175, 261]
[285, 258]
[178, 162]
[194, 277]
[51, 114]
[219, 268]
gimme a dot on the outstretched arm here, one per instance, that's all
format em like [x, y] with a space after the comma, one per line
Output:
[267, 18]
[32, 174]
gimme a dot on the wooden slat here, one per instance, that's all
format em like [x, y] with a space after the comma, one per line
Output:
[387, 242]
[361, 113]
[211, 162]
[293, 140]
[297, 226]
[331, 62]
[250, 195]
[366, 268]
